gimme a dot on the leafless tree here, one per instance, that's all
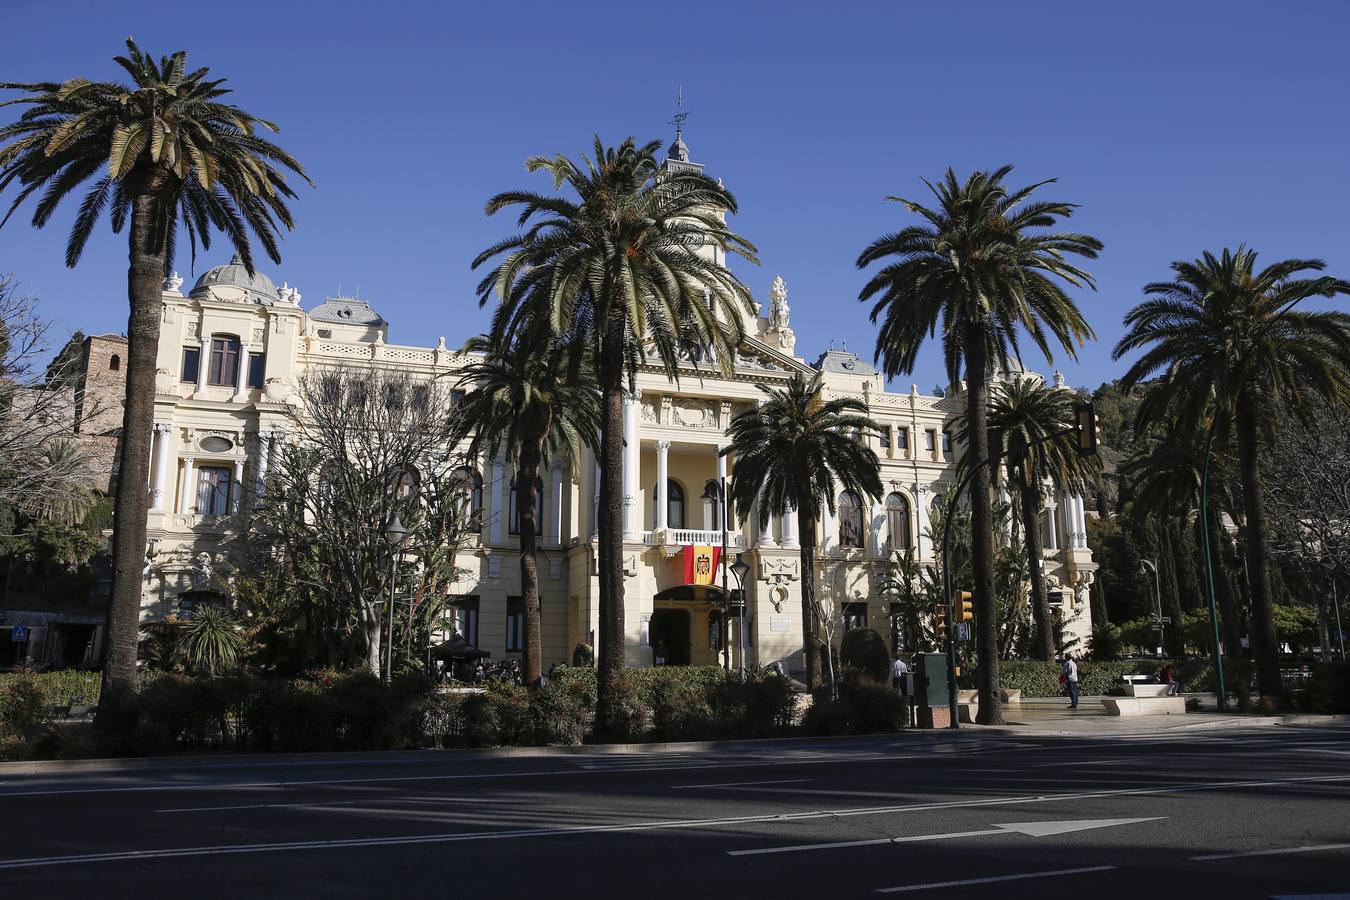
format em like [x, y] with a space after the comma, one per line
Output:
[366, 446]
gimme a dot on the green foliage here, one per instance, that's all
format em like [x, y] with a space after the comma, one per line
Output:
[862, 708]
[1326, 690]
[865, 650]
[211, 641]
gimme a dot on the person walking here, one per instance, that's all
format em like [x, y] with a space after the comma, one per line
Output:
[898, 672]
[1068, 673]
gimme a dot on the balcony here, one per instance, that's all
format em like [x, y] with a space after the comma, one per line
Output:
[674, 538]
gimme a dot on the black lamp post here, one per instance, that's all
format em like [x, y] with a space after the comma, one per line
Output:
[740, 569]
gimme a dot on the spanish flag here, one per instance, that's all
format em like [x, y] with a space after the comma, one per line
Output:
[700, 564]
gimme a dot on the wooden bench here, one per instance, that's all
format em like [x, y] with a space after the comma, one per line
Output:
[1145, 706]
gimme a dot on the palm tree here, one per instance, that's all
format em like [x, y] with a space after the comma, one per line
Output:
[1225, 342]
[165, 148]
[1164, 479]
[982, 267]
[634, 266]
[528, 401]
[798, 451]
[1025, 411]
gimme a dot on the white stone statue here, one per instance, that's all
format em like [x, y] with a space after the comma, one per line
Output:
[201, 572]
[779, 312]
[1082, 594]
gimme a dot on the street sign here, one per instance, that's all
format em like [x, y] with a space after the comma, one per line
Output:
[963, 631]
[19, 634]
[1166, 620]
[1246, 644]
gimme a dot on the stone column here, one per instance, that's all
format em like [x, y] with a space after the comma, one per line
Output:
[241, 373]
[764, 535]
[595, 494]
[1079, 522]
[203, 363]
[1052, 539]
[556, 511]
[264, 460]
[922, 520]
[237, 486]
[632, 527]
[499, 511]
[187, 498]
[162, 431]
[876, 525]
[788, 523]
[829, 529]
[662, 498]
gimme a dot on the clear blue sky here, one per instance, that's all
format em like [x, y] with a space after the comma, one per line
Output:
[1177, 126]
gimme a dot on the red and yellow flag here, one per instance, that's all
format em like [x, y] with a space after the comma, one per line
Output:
[700, 564]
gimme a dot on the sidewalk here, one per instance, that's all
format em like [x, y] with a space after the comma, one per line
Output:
[1052, 715]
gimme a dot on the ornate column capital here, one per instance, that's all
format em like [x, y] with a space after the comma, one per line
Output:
[663, 446]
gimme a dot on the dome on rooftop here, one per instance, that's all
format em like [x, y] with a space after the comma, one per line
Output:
[259, 287]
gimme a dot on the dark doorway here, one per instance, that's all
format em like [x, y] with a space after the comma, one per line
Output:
[669, 634]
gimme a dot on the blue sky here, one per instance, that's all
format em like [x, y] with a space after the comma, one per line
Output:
[1177, 126]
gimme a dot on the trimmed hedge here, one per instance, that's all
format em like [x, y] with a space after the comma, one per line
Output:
[1041, 679]
[865, 649]
[64, 688]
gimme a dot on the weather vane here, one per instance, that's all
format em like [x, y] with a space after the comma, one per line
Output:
[680, 113]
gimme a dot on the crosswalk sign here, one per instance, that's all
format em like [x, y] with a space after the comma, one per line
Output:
[19, 634]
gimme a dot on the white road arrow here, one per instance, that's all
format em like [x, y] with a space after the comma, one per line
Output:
[1031, 829]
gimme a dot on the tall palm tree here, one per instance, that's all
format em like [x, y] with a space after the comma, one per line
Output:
[982, 267]
[795, 453]
[635, 266]
[164, 148]
[1225, 342]
[1024, 411]
[526, 400]
[1164, 478]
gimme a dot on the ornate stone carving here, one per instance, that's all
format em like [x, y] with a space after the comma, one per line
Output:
[201, 572]
[693, 413]
[650, 405]
[192, 329]
[784, 568]
[258, 332]
[174, 282]
[779, 312]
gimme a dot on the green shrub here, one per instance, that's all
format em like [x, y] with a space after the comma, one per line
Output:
[864, 649]
[559, 714]
[23, 704]
[1326, 690]
[762, 705]
[862, 708]
[583, 656]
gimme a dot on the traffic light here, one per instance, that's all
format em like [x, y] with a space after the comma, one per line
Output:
[1086, 429]
[963, 606]
[940, 621]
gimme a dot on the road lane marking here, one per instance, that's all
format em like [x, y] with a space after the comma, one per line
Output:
[1083, 762]
[1276, 852]
[1031, 829]
[992, 879]
[728, 784]
[365, 801]
[647, 826]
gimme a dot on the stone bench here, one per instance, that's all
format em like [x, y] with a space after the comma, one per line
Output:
[963, 696]
[1136, 689]
[1013, 696]
[1144, 706]
[1135, 679]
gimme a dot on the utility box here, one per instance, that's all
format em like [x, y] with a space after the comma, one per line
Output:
[930, 688]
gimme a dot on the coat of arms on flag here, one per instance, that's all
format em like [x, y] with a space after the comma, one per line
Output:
[700, 564]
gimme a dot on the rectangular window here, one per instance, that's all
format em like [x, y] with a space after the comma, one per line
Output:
[224, 369]
[929, 439]
[214, 485]
[464, 616]
[515, 624]
[885, 438]
[192, 359]
[902, 438]
[456, 397]
[855, 616]
[257, 368]
[946, 443]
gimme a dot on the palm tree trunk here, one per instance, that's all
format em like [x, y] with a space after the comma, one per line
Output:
[145, 286]
[526, 490]
[610, 652]
[1264, 643]
[1040, 605]
[982, 530]
[806, 527]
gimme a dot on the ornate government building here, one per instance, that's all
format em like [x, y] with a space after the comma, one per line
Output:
[232, 344]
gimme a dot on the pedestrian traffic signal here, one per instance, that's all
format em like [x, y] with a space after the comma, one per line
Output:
[1086, 429]
[940, 621]
[963, 606]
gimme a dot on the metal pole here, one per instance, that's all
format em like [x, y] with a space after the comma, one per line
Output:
[726, 601]
[1157, 592]
[389, 656]
[740, 622]
[1209, 569]
[1336, 605]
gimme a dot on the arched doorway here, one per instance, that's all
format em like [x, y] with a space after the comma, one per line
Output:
[669, 635]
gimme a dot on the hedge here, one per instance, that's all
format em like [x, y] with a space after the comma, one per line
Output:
[65, 687]
[1041, 679]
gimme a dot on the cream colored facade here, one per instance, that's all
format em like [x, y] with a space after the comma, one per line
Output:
[218, 424]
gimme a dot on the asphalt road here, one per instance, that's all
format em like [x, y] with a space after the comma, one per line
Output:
[1249, 812]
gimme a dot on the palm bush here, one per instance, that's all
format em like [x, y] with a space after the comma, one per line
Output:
[211, 641]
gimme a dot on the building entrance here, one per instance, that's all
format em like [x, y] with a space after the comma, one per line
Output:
[669, 634]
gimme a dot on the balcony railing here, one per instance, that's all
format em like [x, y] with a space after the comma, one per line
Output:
[678, 536]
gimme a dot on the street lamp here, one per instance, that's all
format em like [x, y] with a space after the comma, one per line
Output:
[394, 535]
[740, 569]
[1332, 569]
[1146, 565]
[716, 491]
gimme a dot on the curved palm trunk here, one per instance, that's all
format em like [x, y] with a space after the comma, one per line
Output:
[982, 531]
[1040, 604]
[526, 496]
[806, 527]
[1223, 588]
[1267, 649]
[609, 653]
[145, 282]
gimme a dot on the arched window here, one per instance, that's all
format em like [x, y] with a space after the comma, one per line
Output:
[115, 363]
[674, 505]
[471, 483]
[406, 484]
[850, 520]
[897, 523]
[224, 367]
[538, 507]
